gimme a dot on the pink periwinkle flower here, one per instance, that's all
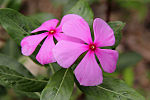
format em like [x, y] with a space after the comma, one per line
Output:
[45, 55]
[87, 72]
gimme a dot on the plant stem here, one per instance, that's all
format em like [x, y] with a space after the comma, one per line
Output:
[52, 69]
[37, 93]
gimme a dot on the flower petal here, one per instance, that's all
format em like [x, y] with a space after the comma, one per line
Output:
[46, 26]
[108, 59]
[62, 36]
[66, 52]
[88, 72]
[104, 35]
[69, 17]
[45, 55]
[78, 28]
[29, 43]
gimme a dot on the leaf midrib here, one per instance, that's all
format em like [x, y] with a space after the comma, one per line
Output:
[113, 92]
[18, 25]
[117, 29]
[24, 77]
[61, 83]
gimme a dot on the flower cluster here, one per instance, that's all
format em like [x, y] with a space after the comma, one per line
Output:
[74, 38]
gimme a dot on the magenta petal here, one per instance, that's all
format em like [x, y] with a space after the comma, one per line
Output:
[45, 55]
[61, 36]
[66, 52]
[69, 17]
[88, 72]
[104, 35]
[29, 43]
[46, 26]
[78, 28]
[108, 59]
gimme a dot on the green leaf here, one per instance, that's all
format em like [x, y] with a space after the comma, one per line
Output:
[128, 59]
[14, 65]
[76, 94]
[4, 3]
[15, 75]
[13, 4]
[11, 49]
[10, 78]
[117, 27]
[62, 2]
[53, 67]
[33, 95]
[92, 1]
[83, 9]
[41, 17]
[111, 89]
[60, 86]
[56, 66]
[67, 2]
[89, 97]
[17, 25]
[128, 76]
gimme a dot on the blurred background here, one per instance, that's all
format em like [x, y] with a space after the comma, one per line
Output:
[134, 61]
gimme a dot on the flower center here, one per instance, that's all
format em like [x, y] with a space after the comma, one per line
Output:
[92, 47]
[52, 31]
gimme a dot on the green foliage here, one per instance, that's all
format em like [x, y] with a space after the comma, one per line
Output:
[83, 9]
[54, 67]
[111, 89]
[117, 27]
[62, 2]
[76, 93]
[33, 95]
[14, 65]
[128, 76]
[10, 78]
[60, 86]
[67, 2]
[17, 25]
[11, 49]
[15, 75]
[92, 1]
[41, 17]
[61, 83]
[14, 4]
[128, 59]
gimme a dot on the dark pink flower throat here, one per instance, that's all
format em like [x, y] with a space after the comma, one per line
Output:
[92, 47]
[52, 31]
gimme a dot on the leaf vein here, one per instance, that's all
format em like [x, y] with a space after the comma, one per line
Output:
[61, 83]
[112, 91]
[24, 77]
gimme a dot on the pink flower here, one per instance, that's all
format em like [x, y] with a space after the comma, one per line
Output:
[88, 72]
[45, 55]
